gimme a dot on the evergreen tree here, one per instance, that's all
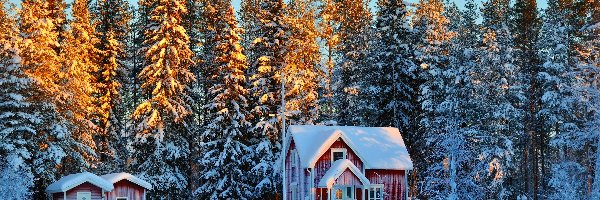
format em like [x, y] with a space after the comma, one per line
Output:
[58, 150]
[161, 144]
[18, 121]
[388, 84]
[226, 151]
[302, 63]
[269, 49]
[327, 23]
[79, 56]
[353, 18]
[112, 27]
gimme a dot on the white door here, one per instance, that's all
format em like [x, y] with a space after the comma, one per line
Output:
[84, 195]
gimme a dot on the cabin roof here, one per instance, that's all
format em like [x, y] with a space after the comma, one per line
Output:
[116, 177]
[377, 147]
[338, 168]
[69, 182]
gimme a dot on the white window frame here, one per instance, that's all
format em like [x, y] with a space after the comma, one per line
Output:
[336, 150]
[84, 193]
[372, 187]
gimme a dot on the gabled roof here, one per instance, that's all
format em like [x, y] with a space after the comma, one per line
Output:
[338, 168]
[116, 177]
[377, 147]
[69, 182]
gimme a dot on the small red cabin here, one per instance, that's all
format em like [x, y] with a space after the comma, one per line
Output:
[126, 187]
[344, 162]
[80, 186]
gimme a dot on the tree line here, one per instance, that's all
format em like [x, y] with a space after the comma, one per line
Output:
[494, 101]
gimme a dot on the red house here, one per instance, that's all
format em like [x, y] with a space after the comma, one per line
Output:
[344, 162]
[80, 186]
[126, 187]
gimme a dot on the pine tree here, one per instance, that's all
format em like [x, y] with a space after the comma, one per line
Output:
[79, 56]
[111, 30]
[388, 83]
[161, 144]
[326, 24]
[58, 151]
[19, 122]
[269, 49]
[353, 18]
[226, 151]
[302, 63]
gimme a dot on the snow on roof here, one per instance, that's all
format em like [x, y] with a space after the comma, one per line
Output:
[116, 177]
[337, 168]
[69, 182]
[377, 147]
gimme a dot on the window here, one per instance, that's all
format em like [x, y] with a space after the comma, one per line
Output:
[294, 157]
[84, 195]
[339, 194]
[338, 154]
[376, 192]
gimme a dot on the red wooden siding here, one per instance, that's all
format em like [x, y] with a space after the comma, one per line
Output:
[393, 180]
[347, 178]
[85, 187]
[324, 162]
[295, 174]
[125, 188]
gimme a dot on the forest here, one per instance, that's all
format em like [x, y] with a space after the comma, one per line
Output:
[495, 100]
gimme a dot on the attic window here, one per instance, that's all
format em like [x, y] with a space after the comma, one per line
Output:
[338, 154]
[293, 158]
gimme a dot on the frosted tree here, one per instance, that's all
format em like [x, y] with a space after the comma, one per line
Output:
[326, 24]
[302, 63]
[161, 144]
[79, 56]
[387, 83]
[557, 79]
[112, 18]
[353, 26]
[18, 121]
[269, 49]
[226, 151]
[57, 150]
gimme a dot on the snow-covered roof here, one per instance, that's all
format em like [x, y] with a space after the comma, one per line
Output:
[337, 168]
[69, 182]
[377, 147]
[116, 177]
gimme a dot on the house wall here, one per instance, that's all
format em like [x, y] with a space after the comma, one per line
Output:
[324, 162]
[393, 180]
[85, 187]
[295, 174]
[125, 188]
[347, 178]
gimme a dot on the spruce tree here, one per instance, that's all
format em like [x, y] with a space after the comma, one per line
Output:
[112, 18]
[161, 144]
[302, 63]
[79, 56]
[17, 117]
[227, 154]
[388, 82]
[269, 49]
[59, 151]
[353, 18]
